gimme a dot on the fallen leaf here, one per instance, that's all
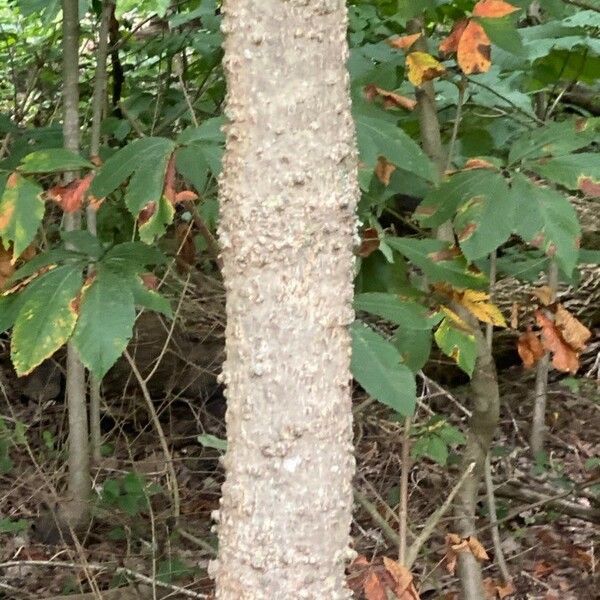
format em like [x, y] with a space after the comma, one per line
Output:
[542, 569]
[564, 357]
[530, 348]
[493, 9]
[544, 294]
[404, 42]
[423, 67]
[374, 588]
[450, 44]
[477, 549]
[405, 588]
[505, 590]
[384, 170]
[456, 545]
[474, 50]
[573, 331]
[589, 187]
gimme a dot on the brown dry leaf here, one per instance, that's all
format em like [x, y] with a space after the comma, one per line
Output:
[542, 569]
[7, 268]
[544, 294]
[478, 163]
[530, 348]
[505, 590]
[564, 357]
[186, 248]
[497, 591]
[70, 197]
[423, 67]
[405, 588]
[450, 44]
[474, 50]
[374, 588]
[493, 9]
[573, 331]
[369, 243]
[456, 545]
[384, 170]
[477, 549]
[147, 212]
[404, 42]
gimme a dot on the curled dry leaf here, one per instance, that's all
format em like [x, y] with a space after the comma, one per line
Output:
[384, 170]
[404, 42]
[544, 294]
[374, 588]
[391, 99]
[423, 67]
[455, 545]
[478, 163]
[497, 591]
[404, 586]
[573, 331]
[530, 348]
[70, 197]
[564, 357]
[474, 50]
[493, 9]
[450, 44]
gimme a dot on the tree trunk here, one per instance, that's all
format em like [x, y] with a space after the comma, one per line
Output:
[79, 486]
[288, 194]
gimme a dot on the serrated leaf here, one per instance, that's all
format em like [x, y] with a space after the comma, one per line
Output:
[157, 224]
[54, 160]
[486, 220]
[571, 171]
[458, 344]
[150, 299]
[21, 212]
[145, 161]
[105, 324]
[378, 137]
[377, 366]
[407, 313]
[438, 262]
[548, 220]
[46, 319]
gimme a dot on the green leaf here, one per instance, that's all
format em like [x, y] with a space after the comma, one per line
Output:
[211, 131]
[105, 323]
[377, 366]
[548, 220]
[21, 212]
[573, 171]
[10, 526]
[377, 137]
[150, 299]
[51, 257]
[407, 313]
[9, 309]
[434, 258]
[555, 139]
[84, 242]
[504, 33]
[55, 160]
[145, 161]
[414, 346]
[458, 344]
[212, 441]
[133, 256]
[158, 222]
[46, 319]
[486, 221]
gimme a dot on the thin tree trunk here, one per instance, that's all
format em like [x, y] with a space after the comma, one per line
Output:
[288, 194]
[79, 485]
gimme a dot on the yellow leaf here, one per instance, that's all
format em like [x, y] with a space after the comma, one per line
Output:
[478, 304]
[423, 67]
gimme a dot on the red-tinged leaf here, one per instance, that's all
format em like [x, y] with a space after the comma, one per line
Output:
[150, 281]
[478, 163]
[71, 196]
[450, 44]
[391, 99]
[12, 180]
[474, 50]
[589, 187]
[147, 212]
[404, 42]
[564, 357]
[370, 242]
[186, 196]
[530, 348]
[7, 267]
[373, 588]
[493, 9]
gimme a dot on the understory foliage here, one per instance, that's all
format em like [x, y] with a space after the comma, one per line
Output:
[514, 94]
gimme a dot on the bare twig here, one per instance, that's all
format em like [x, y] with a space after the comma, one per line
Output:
[403, 512]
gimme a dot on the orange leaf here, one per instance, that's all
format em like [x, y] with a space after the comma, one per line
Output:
[423, 67]
[404, 588]
[573, 331]
[530, 348]
[392, 100]
[564, 358]
[185, 196]
[450, 44]
[404, 42]
[477, 549]
[7, 268]
[478, 163]
[70, 197]
[493, 8]
[384, 170]
[374, 588]
[474, 50]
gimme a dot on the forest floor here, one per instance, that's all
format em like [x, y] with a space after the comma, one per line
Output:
[551, 554]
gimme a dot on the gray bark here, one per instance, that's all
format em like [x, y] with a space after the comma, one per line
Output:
[288, 194]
